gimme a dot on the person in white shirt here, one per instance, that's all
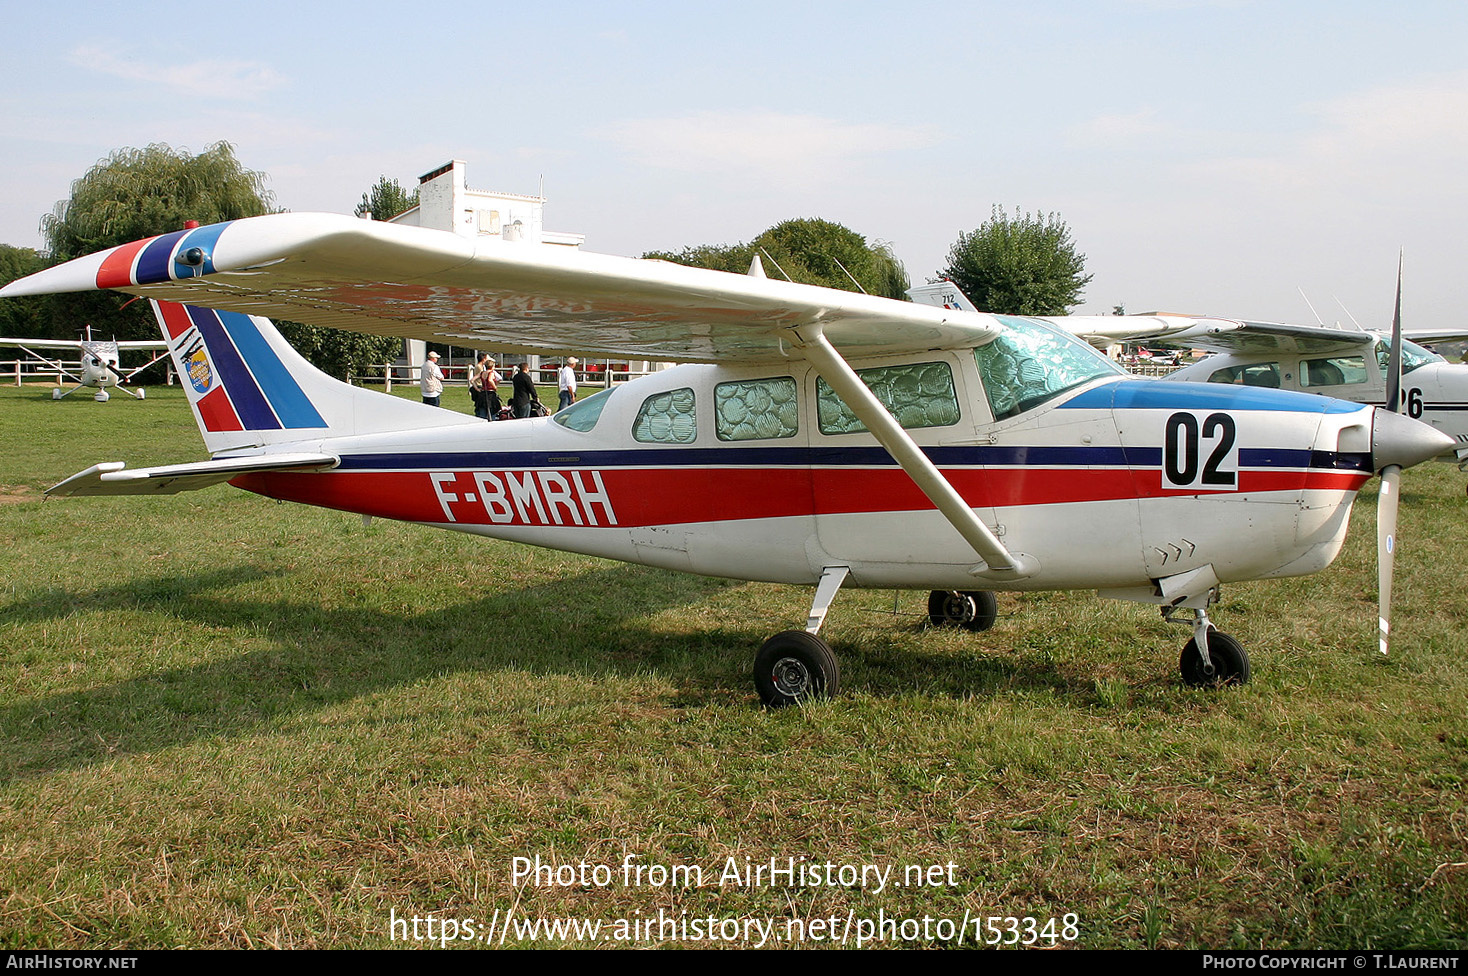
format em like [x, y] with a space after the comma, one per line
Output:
[567, 382]
[432, 380]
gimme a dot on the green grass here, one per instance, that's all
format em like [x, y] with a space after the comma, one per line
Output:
[231, 722]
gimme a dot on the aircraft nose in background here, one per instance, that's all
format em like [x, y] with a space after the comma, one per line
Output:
[1396, 439]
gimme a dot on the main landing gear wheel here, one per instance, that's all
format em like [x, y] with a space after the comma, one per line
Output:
[793, 667]
[974, 610]
[1228, 660]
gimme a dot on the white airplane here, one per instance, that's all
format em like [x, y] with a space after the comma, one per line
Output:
[101, 362]
[1351, 364]
[1348, 364]
[812, 436]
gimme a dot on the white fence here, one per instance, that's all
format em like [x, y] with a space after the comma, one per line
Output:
[592, 376]
[1147, 369]
[34, 369]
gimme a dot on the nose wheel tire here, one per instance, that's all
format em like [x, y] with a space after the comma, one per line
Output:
[794, 667]
[1229, 661]
[974, 610]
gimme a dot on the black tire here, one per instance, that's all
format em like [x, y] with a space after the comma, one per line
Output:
[974, 610]
[1230, 662]
[793, 667]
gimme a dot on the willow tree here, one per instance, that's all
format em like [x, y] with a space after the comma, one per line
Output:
[138, 193]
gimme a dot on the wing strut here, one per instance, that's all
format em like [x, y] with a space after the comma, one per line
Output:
[999, 563]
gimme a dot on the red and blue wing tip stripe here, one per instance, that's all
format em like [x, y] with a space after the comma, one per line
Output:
[157, 259]
[243, 384]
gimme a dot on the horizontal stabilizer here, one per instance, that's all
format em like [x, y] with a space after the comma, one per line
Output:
[113, 478]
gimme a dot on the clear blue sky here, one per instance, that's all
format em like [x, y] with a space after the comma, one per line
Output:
[1209, 157]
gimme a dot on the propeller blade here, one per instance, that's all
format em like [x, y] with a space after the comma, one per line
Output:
[1386, 547]
[1391, 486]
[1394, 365]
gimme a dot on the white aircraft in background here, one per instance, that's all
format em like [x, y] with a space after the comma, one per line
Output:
[101, 362]
[812, 436]
[1351, 364]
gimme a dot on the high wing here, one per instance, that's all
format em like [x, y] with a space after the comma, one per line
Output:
[1106, 330]
[1100, 331]
[77, 344]
[368, 276]
[1266, 338]
[114, 478]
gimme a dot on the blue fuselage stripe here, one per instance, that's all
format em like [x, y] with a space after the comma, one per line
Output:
[1159, 395]
[865, 457]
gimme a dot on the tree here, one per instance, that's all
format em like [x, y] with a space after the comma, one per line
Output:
[20, 316]
[1020, 265]
[138, 193]
[386, 200]
[810, 251]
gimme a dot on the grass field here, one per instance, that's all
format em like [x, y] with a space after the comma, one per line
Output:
[231, 722]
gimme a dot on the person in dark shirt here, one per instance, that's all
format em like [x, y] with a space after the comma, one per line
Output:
[524, 392]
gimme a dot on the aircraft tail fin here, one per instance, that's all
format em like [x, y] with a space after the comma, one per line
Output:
[944, 294]
[248, 388]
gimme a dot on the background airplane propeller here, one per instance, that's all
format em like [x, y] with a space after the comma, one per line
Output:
[1391, 480]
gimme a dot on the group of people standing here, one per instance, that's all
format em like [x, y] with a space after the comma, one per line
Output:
[484, 386]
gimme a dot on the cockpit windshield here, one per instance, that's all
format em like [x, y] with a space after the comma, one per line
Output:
[1413, 356]
[583, 414]
[1032, 362]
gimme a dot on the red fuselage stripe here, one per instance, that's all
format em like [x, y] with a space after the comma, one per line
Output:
[630, 497]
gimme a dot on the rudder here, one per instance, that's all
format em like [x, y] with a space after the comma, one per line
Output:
[249, 388]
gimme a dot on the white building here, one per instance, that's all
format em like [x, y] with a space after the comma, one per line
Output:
[445, 202]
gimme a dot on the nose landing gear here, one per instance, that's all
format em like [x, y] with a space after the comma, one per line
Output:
[1211, 659]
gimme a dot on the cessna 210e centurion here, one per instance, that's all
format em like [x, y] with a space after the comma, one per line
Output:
[812, 436]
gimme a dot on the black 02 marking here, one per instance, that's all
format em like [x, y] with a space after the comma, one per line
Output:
[1183, 444]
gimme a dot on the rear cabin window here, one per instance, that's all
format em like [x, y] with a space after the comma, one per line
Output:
[666, 418]
[1334, 371]
[1031, 362]
[1252, 374]
[917, 395]
[756, 409]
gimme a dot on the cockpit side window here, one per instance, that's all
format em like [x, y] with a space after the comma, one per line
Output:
[1031, 362]
[583, 414]
[1249, 374]
[756, 409]
[917, 395]
[1333, 371]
